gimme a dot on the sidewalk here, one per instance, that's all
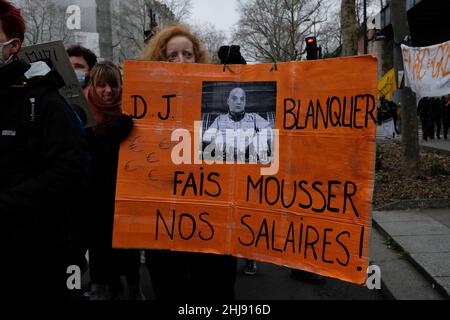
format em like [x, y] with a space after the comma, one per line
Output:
[441, 144]
[435, 144]
[424, 238]
[421, 238]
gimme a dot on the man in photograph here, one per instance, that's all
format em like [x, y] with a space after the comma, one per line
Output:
[239, 135]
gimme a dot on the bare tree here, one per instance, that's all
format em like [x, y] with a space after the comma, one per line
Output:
[349, 27]
[45, 20]
[211, 38]
[131, 22]
[181, 9]
[410, 143]
[275, 29]
[373, 6]
[329, 35]
[128, 33]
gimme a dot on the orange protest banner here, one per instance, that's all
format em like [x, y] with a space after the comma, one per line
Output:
[275, 165]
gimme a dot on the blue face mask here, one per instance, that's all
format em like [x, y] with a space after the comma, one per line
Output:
[2, 45]
[80, 76]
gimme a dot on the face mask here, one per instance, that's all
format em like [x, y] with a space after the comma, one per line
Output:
[2, 45]
[80, 76]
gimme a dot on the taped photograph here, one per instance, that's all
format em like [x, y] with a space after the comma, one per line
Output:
[238, 119]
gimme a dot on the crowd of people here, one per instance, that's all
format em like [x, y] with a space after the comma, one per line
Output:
[434, 114]
[58, 178]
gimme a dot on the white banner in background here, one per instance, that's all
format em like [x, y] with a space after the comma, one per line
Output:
[427, 69]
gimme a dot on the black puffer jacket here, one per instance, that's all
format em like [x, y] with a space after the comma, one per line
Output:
[42, 157]
[104, 144]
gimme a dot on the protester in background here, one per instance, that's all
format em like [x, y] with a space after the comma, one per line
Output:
[425, 114]
[393, 108]
[42, 173]
[446, 114]
[436, 117]
[388, 111]
[82, 60]
[104, 93]
[186, 275]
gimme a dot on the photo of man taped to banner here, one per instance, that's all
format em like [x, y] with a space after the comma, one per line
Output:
[237, 121]
[308, 208]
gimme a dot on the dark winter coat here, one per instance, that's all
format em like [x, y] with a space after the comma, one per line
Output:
[42, 158]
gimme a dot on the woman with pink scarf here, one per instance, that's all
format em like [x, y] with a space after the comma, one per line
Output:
[106, 265]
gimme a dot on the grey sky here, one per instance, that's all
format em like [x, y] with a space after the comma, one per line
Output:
[220, 13]
[223, 15]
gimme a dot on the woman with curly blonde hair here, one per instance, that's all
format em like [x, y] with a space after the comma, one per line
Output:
[186, 275]
[161, 46]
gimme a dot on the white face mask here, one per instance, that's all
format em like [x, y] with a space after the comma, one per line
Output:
[2, 45]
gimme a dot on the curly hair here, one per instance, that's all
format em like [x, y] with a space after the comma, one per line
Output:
[155, 50]
[11, 20]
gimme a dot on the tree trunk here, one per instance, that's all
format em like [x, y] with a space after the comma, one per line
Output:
[410, 140]
[349, 27]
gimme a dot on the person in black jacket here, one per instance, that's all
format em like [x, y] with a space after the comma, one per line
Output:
[104, 94]
[436, 116]
[82, 60]
[42, 157]
[424, 111]
[388, 110]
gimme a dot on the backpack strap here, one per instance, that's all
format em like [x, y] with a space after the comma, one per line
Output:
[33, 124]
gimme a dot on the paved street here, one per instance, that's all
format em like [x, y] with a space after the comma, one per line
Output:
[439, 144]
[273, 283]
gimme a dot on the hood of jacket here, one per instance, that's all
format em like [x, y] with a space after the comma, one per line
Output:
[19, 73]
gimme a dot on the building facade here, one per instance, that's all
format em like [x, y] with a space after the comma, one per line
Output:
[428, 25]
[113, 29]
